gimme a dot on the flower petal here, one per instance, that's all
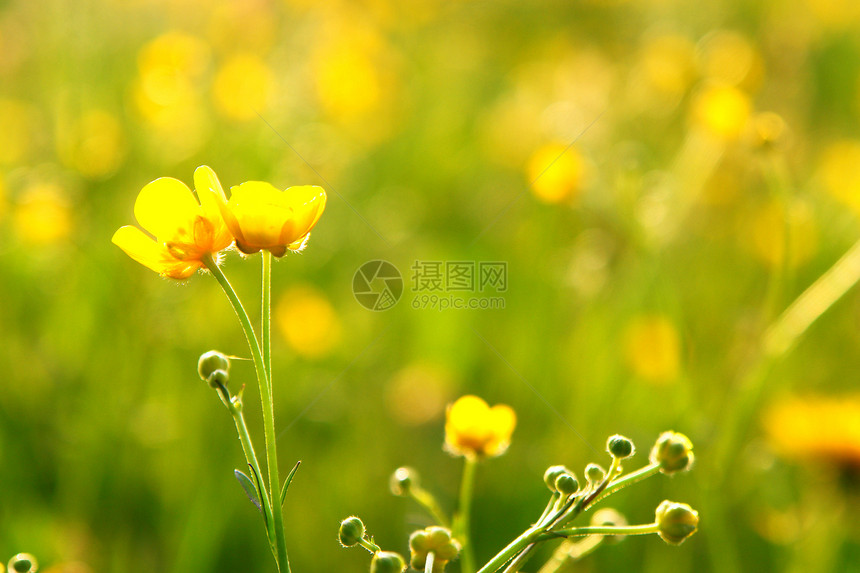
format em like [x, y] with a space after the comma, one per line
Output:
[307, 203]
[167, 209]
[211, 196]
[152, 255]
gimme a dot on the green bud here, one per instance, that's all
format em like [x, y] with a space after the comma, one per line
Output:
[23, 563]
[351, 531]
[619, 447]
[610, 517]
[677, 521]
[436, 539]
[387, 562]
[594, 473]
[402, 481]
[566, 484]
[673, 451]
[218, 376]
[211, 361]
[551, 474]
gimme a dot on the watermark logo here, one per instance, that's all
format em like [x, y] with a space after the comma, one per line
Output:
[377, 285]
[436, 285]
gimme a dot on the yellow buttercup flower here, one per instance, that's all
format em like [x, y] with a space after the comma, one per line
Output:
[262, 217]
[473, 429]
[183, 231]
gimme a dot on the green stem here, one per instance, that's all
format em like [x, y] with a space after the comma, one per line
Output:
[601, 530]
[431, 559]
[513, 548]
[268, 412]
[426, 500]
[629, 479]
[267, 315]
[467, 554]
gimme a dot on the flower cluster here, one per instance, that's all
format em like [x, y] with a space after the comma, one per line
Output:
[185, 234]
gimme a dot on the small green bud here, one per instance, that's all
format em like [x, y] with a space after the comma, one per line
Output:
[566, 484]
[211, 361]
[677, 521]
[402, 481]
[23, 563]
[218, 376]
[619, 447]
[551, 474]
[351, 531]
[610, 517]
[673, 451]
[387, 562]
[594, 473]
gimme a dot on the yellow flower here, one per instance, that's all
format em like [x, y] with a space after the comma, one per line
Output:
[721, 111]
[262, 217]
[473, 429]
[557, 173]
[652, 348]
[825, 428]
[184, 230]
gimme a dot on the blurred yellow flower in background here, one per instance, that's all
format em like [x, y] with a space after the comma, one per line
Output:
[782, 235]
[668, 64]
[556, 173]
[473, 429]
[263, 217]
[652, 348]
[171, 70]
[42, 215]
[816, 428]
[418, 393]
[728, 58]
[242, 87]
[308, 322]
[839, 171]
[184, 231]
[721, 111]
[94, 144]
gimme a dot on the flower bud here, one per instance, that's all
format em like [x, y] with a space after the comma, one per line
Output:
[402, 481]
[218, 377]
[23, 563]
[594, 473]
[673, 451]
[551, 474]
[351, 531]
[677, 521]
[436, 539]
[211, 361]
[566, 484]
[387, 562]
[610, 517]
[620, 447]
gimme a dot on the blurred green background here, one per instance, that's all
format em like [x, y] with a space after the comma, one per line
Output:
[661, 177]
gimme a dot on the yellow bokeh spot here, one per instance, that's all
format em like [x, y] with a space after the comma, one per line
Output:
[16, 140]
[170, 68]
[308, 322]
[729, 58]
[42, 215]
[838, 14]
[242, 87]
[775, 231]
[556, 173]
[94, 144]
[418, 394]
[652, 349]
[721, 111]
[839, 170]
[668, 63]
[816, 427]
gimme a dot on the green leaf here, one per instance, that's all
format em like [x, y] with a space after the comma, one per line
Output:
[249, 487]
[288, 481]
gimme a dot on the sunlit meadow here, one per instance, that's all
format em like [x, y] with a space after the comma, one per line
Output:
[609, 217]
